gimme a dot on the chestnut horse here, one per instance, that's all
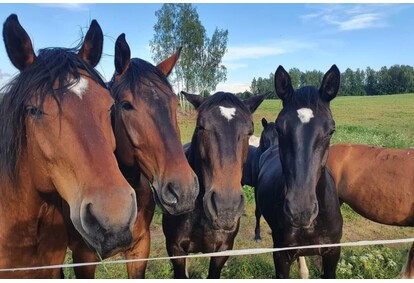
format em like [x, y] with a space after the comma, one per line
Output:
[57, 142]
[296, 194]
[268, 138]
[148, 147]
[217, 153]
[378, 183]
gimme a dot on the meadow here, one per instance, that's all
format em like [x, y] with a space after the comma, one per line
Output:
[379, 120]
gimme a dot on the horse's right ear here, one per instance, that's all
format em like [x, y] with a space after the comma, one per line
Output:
[283, 84]
[122, 55]
[18, 44]
[194, 99]
[168, 64]
[253, 102]
[264, 123]
[91, 50]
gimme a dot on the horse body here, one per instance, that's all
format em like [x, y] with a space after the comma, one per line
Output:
[378, 183]
[57, 143]
[268, 138]
[217, 152]
[382, 177]
[148, 150]
[296, 194]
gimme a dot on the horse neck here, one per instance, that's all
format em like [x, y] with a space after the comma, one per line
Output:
[131, 173]
[26, 214]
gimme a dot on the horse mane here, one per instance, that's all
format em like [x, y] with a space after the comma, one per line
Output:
[307, 96]
[52, 66]
[223, 97]
[139, 72]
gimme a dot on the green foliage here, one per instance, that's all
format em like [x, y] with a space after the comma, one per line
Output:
[377, 262]
[248, 194]
[396, 79]
[199, 68]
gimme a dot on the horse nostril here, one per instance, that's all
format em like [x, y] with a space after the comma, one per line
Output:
[90, 222]
[169, 194]
[214, 202]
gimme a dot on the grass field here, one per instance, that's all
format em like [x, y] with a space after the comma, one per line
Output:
[385, 121]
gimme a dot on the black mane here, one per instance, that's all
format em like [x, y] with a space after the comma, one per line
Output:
[139, 72]
[221, 97]
[53, 66]
[308, 96]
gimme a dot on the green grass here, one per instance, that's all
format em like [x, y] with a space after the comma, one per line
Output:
[383, 120]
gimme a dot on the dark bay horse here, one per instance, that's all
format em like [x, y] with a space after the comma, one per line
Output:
[378, 183]
[268, 138]
[217, 153]
[296, 194]
[148, 147]
[57, 142]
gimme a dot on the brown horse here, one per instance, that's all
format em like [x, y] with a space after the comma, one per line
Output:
[217, 153]
[57, 142]
[148, 148]
[378, 183]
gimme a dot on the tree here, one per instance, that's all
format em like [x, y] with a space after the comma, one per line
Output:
[295, 75]
[200, 68]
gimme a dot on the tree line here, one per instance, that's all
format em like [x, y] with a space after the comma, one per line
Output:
[393, 80]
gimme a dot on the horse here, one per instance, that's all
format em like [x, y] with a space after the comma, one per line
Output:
[148, 148]
[378, 183]
[267, 139]
[296, 193]
[57, 143]
[217, 152]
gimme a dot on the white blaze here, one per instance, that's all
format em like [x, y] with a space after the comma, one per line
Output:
[305, 115]
[228, 113]
[80, 87]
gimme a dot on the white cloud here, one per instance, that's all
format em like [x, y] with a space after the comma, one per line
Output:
[233, 87]
[236, 53]
[74, 7]
[4, 75]
[352, 17]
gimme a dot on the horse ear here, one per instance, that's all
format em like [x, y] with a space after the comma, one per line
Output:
[253, 102]
[91, 50]
[194, 99]
[264, 123]
[167, 65]
[330, 84]
[283, 84]
[122, 55]
[18, 44]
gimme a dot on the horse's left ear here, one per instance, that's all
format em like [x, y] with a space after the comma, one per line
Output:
[330, 84]
[194, 99]
[264, 123]
[253, 102]
[167, 65]
[283, 84]
[91, 50]
[122, 55]
[18, 44]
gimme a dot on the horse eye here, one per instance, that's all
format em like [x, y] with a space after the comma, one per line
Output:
[126, 105]
[33, 111]
[332, 132]
[112, 108]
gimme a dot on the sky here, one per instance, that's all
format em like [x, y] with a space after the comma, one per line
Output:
[306, 36]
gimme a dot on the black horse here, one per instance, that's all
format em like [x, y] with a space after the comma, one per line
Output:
[268, 138]
[296, 192]
[217, 153]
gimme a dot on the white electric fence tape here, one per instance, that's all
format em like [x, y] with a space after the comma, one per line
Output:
[222, 253]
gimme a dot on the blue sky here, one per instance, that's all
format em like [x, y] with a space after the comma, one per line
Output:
[261, 36]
